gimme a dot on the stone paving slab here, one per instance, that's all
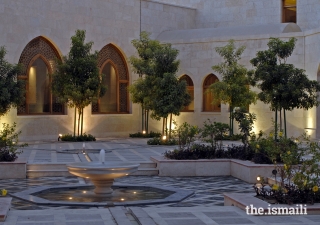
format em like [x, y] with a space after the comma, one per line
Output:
[216, 215]
[62, 217]
[5, 204]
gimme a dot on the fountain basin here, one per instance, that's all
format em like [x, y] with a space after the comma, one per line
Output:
[166, 195]
[102, 175]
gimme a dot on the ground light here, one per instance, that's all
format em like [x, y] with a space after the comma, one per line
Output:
[164, 137]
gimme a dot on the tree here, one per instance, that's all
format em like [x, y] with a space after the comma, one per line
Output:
[77, 81]
[11, 89]
[12, 93]
[169, 96]
[157, 89]
[233, 89]
[143, 65]
[282, 85]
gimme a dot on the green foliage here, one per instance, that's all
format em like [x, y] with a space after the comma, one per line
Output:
[270, 151]
[282, 85]
[9, 147]
[80, 138]
[169, 96]
[11, 89]
[233, 89]
[211, 130]
[158, 88]
[245, 121]
[151, 134]
[159, 141]
[186, 135]
[77, 81]
[299, 180]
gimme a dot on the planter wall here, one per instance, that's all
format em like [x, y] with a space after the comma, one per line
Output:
[244, 170]
[13, 170]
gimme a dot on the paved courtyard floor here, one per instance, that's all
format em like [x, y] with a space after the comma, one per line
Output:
[205, 207]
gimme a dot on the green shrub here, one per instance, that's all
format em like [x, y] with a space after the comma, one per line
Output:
[186, 134]
[159, 141]
[211, 130]
[9, 147]
[80, 138]
[149, 135]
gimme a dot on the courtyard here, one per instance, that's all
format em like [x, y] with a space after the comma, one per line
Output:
[205, 206]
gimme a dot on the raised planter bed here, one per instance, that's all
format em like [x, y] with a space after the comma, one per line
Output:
[244, 170]
[13, 170]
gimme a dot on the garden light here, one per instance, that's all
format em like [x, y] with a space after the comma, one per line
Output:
[144, 132]
[259, 178]
[60, 136]
[164, 137]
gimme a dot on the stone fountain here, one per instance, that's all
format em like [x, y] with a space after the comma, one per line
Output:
[102, 174]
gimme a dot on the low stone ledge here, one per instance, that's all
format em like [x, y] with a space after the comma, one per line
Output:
[201, 167]
[13, 170]
[244, 170]
[242, 200]
[5, 204]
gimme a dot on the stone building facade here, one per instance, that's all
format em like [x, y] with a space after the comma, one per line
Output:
[34, 32]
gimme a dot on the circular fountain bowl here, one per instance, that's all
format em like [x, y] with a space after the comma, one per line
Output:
[102, 175]
[100, 171]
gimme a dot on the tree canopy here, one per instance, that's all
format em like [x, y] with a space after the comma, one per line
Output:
[77, 81]
[282, 85]
[233, 89]
[158, 88]
[12, 90]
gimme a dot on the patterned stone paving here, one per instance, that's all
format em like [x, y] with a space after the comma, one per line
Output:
[135, 150]
[208, 190]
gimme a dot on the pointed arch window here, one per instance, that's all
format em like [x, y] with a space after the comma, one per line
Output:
[116, 77]
[38, 58]
[208, 96]
[190, 89]
[289, 11]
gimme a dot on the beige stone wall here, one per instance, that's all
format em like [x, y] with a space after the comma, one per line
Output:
[197, 58]
[308, 14]
[113, 21]
[312, 66]
[157, 17]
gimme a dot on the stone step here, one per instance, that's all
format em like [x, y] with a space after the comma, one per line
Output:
[48, 173]
[5, 204]
[59, 169]
[46, 166]
[146, 172]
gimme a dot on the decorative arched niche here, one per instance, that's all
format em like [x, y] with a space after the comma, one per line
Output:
[190, 88]
[113, 66]
[208, 97]
[39, 58]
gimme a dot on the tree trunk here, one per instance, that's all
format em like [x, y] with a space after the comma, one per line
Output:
[142, 119]
[280, 118]
[170, 126]
[75, 121]
[231, 121]
[285, 123]
[79, 116]
[166, 124]
[81, 121]
[147, 118]
[163, 126]
[276, 125]
[145, 121]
